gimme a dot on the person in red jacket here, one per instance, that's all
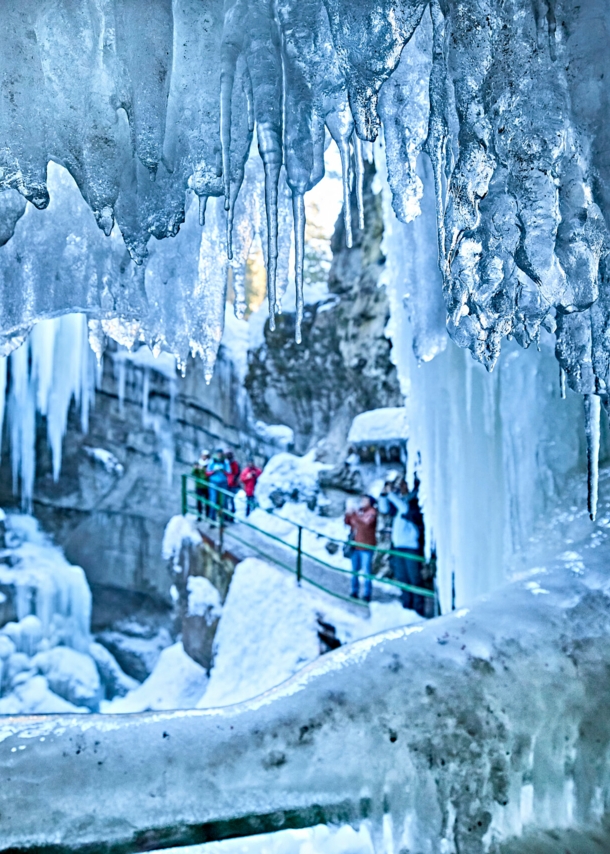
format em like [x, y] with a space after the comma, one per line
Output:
[248, 479]
[232, 481]
[363, 525]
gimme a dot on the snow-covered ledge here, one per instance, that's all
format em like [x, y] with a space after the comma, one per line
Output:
[465, 734]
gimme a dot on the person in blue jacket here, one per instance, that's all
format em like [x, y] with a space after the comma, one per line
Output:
[217, 474]
[407, 538]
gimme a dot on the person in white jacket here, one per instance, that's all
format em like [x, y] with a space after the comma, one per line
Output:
[407, 538]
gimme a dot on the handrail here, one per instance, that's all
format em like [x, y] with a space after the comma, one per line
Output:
[300, 553]
[361, 546]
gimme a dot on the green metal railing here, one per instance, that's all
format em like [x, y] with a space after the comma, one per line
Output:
[194, 501]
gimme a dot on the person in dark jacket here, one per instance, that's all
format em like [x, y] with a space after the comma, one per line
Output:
[217, 473]
[201, 488]
[248, 480]
[363, 525]
[407, 539]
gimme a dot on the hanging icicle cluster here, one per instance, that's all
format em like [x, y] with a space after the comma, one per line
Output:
[144, 101]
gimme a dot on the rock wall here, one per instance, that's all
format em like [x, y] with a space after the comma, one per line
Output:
[343, 366]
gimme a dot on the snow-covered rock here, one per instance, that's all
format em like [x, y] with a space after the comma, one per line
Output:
[287, 477]
[203, 599]
[136, 653]
[177, 682]
[72, 675]
[32, 696]
[178, 530]
[379, 426]
[116, 683]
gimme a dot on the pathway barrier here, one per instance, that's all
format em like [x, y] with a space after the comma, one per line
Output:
[195, 496]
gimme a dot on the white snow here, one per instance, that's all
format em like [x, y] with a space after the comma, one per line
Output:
[203, 599]
[269, 630]
[106, 458]
[70, 674]
[276, 434]
[179, 529]
[290, 475]
[177, 682]
[379, 426]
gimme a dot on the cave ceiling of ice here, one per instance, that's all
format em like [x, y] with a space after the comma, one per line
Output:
[149, 104]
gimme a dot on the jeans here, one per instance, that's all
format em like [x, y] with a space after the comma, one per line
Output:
[362, 561]
[216, 497]
[250, 504]
[409, 572]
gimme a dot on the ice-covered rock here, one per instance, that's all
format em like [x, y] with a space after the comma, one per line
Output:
[32, 696]
[116, 683]
[136, 649]
[479, 730]
[287, 477]
[70, 674]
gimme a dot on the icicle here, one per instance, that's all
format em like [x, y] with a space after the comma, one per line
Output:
[2, 396]
[270, 149]
[298, 211]
[249, 100]
[438, 131]
[145, 395]
[359, 179]
[562, 383]
[97, 340]
[341, 127]
[592, 429]
[121, 386]
[203, 201]
[226, 94]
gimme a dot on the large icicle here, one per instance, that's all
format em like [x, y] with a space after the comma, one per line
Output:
[592, 428]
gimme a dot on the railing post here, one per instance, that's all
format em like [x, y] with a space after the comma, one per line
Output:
[453, 591]
[300, 556]
[184, 494]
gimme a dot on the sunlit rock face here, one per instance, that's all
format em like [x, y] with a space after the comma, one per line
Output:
[143, 102]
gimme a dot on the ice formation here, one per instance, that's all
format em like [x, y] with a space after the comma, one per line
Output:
[418, 734]
[147, 105]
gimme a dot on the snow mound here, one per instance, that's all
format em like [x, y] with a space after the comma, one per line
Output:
[266, 633]
[177, 682]
[33, 697]
[72, 675]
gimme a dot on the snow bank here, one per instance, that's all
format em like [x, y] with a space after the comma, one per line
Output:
[379, 426]
[266, 633]
[269, 630]
[177, 682]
